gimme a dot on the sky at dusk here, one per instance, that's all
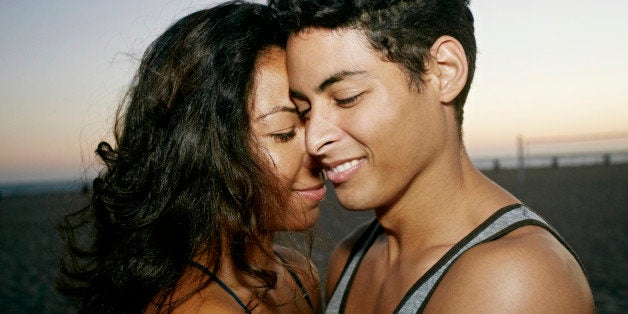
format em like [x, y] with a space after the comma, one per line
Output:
[544, 69]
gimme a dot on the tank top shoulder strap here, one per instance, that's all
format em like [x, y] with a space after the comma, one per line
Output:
[337, 301]
[221, 284]
[499, 224]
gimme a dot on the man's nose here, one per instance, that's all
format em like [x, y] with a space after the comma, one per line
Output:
[321, 130]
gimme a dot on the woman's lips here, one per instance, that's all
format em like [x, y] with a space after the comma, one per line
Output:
[315, 193]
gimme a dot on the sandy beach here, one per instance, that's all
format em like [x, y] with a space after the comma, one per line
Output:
[587, 205]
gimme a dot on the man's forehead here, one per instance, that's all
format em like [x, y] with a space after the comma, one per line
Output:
[320, 55]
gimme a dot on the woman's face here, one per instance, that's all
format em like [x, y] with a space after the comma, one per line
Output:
[279, 132]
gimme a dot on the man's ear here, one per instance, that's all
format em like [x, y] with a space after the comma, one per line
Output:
[452, 69]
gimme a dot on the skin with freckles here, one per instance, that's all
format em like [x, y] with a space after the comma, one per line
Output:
[390, 146]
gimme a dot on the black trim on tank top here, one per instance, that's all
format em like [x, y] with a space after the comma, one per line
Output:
[508, 229]
[358, 245]
[355, 249]
[453, 250]
[501, 233]
[545, 225]
[371, 234]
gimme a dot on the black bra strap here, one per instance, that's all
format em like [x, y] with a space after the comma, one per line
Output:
[297, 281]
[221, 284]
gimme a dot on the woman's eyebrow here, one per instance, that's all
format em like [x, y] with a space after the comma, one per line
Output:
[276, 110]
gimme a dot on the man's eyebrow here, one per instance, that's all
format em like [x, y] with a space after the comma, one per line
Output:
[335, 78]
[339, 76]
[276, 110]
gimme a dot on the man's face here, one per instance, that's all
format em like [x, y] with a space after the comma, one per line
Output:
[366, 123]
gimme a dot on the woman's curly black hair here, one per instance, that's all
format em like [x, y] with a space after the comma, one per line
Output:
[182, 178]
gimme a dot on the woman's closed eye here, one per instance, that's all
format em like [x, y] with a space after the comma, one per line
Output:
[282, 137]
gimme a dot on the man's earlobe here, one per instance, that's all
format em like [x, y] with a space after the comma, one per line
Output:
[452, 67]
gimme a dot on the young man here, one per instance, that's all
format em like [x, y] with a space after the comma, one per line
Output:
[381, 85]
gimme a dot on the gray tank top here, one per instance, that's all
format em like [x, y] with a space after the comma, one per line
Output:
[499, 224]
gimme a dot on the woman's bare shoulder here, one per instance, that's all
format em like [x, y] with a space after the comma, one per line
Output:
[305, 270]
[295, 259]
[206, 300]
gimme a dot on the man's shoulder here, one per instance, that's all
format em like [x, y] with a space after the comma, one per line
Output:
[526, 268]
[523, 247]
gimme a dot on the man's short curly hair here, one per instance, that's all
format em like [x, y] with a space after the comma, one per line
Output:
[402, 31]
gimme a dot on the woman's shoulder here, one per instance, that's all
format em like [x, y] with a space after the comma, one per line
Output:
[207, 300]
[196, 305]
[293, 258]
[304, 270]
[304, 267]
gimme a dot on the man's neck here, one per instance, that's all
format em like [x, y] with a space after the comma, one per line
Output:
[447, 201]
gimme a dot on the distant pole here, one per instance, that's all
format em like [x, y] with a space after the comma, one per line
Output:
[555, 162]
[520, 157]
[607, 159]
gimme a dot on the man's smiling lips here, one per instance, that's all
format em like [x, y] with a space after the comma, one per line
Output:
[343, 171]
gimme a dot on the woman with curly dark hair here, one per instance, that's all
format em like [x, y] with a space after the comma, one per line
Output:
[209, 163]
